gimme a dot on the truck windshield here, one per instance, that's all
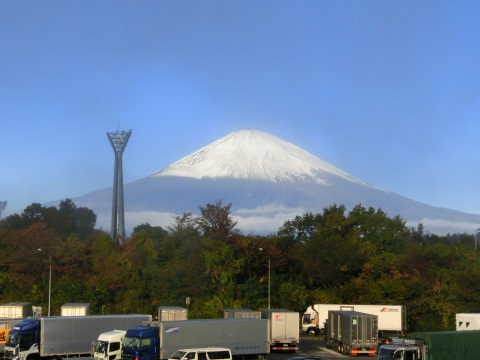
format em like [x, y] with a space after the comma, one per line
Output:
[410, 355]
[100, 346]
[386, 354]
[178, 355]
[13, 340]
[131, 341]
[307, 319]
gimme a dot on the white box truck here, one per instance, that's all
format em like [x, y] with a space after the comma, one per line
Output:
[391, 318]
[284, 332]
[61, 337]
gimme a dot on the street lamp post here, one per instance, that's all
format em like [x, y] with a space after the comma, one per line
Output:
[261, 249]
[49, 282]
[49, 285]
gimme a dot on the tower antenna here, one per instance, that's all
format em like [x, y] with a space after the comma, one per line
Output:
[118, 140]
[3, 205]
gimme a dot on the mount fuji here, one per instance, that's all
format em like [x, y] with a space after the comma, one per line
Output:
[268, 181]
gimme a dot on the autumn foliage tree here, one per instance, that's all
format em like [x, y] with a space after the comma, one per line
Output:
[334, 256]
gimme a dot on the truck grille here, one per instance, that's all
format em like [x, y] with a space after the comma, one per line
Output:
[8, 355]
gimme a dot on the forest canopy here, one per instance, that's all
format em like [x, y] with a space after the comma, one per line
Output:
[361, 256]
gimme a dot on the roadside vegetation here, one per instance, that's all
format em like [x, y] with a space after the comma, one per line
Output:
[337, 256]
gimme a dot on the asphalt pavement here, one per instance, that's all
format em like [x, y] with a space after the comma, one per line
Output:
[314, 346]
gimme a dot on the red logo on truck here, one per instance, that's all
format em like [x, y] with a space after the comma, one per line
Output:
[389, 310]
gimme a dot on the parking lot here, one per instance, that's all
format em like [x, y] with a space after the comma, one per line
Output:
[313, 346]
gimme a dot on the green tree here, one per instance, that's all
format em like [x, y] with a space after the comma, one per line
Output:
[215, 221]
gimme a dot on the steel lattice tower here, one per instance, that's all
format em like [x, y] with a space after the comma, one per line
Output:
[118, 140]
[3, 205]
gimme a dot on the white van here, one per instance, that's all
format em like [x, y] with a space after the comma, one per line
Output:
[212, 353]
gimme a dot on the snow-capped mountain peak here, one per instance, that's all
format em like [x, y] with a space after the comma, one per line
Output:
[254, 155]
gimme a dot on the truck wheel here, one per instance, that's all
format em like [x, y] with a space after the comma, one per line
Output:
[312, 332]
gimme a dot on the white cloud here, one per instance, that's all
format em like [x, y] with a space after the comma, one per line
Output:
[264, 219]
[443, 227]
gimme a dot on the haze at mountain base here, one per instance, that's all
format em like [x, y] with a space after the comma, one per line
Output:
[268, 181]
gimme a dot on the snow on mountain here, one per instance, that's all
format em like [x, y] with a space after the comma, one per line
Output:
[268, 181]
[254, 155]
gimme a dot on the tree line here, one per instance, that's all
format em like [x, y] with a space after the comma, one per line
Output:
[361, 256]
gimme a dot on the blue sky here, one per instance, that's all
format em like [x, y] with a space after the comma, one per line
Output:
[388, 91]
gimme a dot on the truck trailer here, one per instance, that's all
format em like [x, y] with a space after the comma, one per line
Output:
[284, 332]
[169, 313]
[16, 310]
[241, 313]
[443, 345]
[246, 338]
[435, 345]
[467, 321]
[352, 332]
[391, 318]
[60, 337]
[75, 309]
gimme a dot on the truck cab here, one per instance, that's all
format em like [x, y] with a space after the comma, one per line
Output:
[310, 324]
[141, 343]
[396, 352]
[108, 346]
[399, 349]
[22, 340]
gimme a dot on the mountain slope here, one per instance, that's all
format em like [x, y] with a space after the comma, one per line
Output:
[268, 181]
[253, 155]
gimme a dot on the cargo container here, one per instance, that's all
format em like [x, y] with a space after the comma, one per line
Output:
[352, 332]
[391, 318]
[16, 310]
[246, 338]
[467, 321]
[172, 313]
[75, 309]
[63, 336]
[284, 332]
[241, 313]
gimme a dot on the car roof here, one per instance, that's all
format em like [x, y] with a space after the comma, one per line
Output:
[396, 347]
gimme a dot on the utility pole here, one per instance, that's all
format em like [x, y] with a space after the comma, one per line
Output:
[261, 249]
[118, 140]
[49, 281]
